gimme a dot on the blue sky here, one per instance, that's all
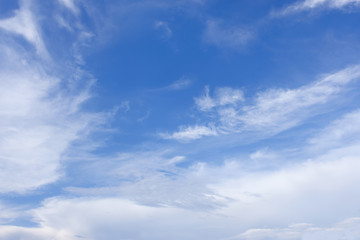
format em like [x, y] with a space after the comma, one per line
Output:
[181, 119]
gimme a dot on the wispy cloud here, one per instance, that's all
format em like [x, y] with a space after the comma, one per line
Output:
[164, 28]
[40, 109]
[222, 35]
[307, 5]
[223, 96]
[180, 84]
[190, 133]
[71, 5]
[344, 130]
[25, 24]
[273, 111]
[124, 106]
[151, 178]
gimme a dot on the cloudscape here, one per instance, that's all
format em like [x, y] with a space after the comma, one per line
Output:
[179, 120]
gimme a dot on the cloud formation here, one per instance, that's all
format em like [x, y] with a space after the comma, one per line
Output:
[272, 111]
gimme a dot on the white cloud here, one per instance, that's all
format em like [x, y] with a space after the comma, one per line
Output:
[150, 178]
[281, 107]
[40, 110]
[219, 34]
[36, 128]
[24, 23]
[315, 4]
[310, 191]
[109, 218]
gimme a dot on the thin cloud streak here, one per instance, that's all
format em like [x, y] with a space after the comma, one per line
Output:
[180, 84]
[190, 133]
[308, 5]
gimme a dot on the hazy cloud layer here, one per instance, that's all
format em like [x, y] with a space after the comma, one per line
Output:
[219, 34]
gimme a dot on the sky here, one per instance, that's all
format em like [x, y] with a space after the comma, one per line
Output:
[179, 119]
